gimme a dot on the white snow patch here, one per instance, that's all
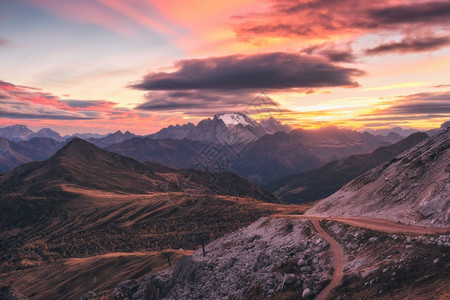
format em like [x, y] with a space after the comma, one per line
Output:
[233, 119]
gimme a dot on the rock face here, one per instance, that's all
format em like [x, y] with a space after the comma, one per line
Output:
[270, 257]
[412, 188]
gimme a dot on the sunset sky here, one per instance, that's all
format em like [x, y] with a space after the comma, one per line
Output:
[140, 65]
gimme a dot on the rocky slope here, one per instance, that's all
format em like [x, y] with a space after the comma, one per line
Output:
[413, 188]
[391, 266]
[324, 181]
[282, 258]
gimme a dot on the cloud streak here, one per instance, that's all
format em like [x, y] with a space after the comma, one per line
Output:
[207, 103]
[414, 107]
[411, 45]
[331, 52]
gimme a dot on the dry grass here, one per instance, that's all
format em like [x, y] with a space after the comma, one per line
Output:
[70, 278]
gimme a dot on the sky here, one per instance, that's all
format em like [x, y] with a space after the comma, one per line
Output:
[141, 65]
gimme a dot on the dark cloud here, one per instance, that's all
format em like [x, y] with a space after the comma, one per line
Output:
[339, 56]
[411, 45]
[252, 72]
[88, 103]
[418, 12]
[331, 52]
[41, 116]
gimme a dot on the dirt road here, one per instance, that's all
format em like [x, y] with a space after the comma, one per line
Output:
[338, 259]
[381, 225]
[390, 226]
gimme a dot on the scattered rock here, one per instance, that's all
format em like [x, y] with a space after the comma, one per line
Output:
[307, 293]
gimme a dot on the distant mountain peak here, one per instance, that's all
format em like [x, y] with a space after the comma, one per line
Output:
[48, 133]
[16, 132]
[18, 126]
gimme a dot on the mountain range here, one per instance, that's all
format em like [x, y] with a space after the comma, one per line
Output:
[261, 151]
[17, 133]
[223, 129]
[264, 159]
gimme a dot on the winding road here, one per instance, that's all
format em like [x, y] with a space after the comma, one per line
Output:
[338, 259]
[381, 225]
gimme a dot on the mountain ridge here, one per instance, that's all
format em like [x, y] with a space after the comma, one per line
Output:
[411, 188]
[223, 128]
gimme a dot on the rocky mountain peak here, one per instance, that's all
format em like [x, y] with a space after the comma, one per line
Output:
[233, 119]
[16, 132]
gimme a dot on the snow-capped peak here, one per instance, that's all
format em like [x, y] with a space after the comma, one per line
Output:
[234, 119]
